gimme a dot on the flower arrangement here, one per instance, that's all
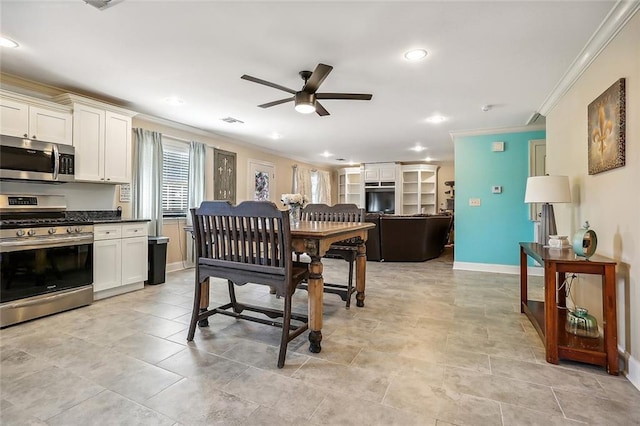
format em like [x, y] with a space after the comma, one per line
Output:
[294, 200]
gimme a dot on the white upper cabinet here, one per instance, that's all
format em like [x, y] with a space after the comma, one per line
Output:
[102, 138]
[26, 117]
[380, 172]
[117, 152]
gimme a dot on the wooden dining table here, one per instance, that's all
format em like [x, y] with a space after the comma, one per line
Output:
[314, 238]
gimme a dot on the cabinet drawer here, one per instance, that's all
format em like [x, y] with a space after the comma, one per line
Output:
[134, 230]
[107, 232]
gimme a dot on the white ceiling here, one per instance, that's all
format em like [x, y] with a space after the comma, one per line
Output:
[508, 54]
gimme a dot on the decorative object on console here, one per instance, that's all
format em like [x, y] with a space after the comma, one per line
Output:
[581, 323]
[295, 203]
[606, 127]
[559, 241]
[585, 241]
[547, 189]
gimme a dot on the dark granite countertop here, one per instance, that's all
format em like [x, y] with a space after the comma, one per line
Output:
[99, 216]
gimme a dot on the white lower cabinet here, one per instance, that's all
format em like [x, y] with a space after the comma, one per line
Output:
[119, 258]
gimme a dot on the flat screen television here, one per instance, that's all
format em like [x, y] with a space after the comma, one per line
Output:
[381, 202]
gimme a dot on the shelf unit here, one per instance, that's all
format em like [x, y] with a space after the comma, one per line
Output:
[350, 186]
[419, 184]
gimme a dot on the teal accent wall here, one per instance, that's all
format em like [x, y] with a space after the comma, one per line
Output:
[491, 232]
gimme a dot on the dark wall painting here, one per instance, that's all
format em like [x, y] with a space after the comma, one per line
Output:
[224, 181]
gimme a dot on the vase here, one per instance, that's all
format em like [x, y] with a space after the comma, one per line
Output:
[294, 215]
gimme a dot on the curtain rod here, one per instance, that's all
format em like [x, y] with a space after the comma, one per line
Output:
[177, 138]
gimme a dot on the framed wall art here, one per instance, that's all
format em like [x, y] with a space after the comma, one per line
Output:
[606, 126]
[224, 181]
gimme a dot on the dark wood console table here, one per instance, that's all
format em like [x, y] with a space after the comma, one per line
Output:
[549, 317]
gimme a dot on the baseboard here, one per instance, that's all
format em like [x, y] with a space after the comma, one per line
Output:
[633, 371]
[495, 268]
[116, 291]
[177, 266]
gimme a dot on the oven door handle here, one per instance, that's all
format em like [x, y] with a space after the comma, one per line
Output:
[40, 300]
[32, 244]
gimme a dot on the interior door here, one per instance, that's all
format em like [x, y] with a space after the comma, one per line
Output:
[261, 181]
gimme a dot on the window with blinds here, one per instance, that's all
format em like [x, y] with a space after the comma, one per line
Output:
[175, 178]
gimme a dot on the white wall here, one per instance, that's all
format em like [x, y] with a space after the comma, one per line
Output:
[609, 200]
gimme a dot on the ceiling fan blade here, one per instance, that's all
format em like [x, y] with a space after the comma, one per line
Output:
[268, 83]
[354, 96]
[317, 77]
[274, 103]
[320, 109]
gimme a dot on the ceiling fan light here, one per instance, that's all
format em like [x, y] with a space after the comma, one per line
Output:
[305, 102]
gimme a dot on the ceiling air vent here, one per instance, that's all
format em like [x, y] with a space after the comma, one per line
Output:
[98, 4]
[232, 120]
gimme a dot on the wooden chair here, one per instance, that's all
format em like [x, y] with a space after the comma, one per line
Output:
[247, 243]
[347, 249]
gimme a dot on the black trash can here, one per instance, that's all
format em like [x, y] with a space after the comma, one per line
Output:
[157, 260]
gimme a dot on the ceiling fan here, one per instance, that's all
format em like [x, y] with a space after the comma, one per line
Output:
[306, 100]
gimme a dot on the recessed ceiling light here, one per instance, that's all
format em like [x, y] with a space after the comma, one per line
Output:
[326, 154]
[418, 148]
[7, 42]
[436, 119]
[415, 54]
[428, 159]
[275, 135]
[173, 100]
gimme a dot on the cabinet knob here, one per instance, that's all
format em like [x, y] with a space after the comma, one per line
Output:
[25, 135]
[34, 137]
[108, 178]
[101, 178]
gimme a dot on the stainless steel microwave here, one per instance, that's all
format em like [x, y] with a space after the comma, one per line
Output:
[27, 159]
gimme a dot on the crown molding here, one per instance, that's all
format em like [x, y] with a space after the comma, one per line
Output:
[496, 130]
[615, 20]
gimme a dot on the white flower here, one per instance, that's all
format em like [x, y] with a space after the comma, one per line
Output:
[294, 200]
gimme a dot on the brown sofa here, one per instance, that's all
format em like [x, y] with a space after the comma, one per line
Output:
[398, 238]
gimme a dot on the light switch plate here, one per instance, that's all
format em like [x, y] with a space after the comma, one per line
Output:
[498, 147]
[474, 202]
[496, 189]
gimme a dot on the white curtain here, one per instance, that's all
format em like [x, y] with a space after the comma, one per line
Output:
[146, 185]
[324, 187]
[302, 181]
[197, 154]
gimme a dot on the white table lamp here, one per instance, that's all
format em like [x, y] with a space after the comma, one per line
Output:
[546, 190]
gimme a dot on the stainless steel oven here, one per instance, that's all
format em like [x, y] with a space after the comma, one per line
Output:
[46, 260]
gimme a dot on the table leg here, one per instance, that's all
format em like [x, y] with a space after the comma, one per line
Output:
[204, 302]
[610, 327]
[550, 313]
[523, 280]
[361, 272]
[315, 290]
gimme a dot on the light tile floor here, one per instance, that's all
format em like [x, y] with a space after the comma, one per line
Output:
[432, 346]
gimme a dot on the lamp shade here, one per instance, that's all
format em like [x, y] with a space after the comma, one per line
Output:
[547, 189]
